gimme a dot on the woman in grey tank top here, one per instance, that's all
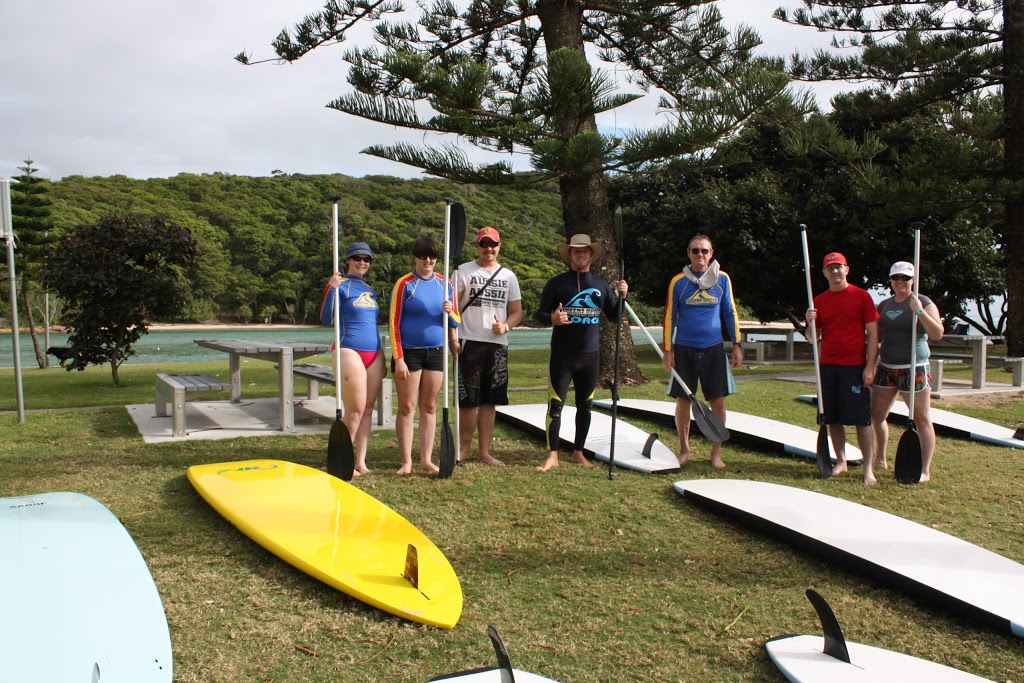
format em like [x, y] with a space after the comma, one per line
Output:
[897, 316]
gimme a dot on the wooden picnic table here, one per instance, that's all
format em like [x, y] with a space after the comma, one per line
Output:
[283, 353]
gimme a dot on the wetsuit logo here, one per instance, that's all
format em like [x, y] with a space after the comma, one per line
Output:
[583, 307]
[365, 300]
[702, 297]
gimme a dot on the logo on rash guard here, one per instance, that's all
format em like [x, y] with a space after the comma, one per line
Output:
[365, 300]
[583, 308]
[702, 297]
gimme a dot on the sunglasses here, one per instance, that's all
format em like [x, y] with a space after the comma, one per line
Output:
[696, 250]
[362, 259]
[488, 244]
[901, 278]
[428, 257]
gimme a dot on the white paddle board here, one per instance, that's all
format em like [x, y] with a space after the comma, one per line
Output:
[749, 430]
[953, 424]
[77, 600]
[940, 569]
[635, 449]
[829, 658]
[503, 673]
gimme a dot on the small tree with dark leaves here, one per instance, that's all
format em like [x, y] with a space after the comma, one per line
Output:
[116, 277]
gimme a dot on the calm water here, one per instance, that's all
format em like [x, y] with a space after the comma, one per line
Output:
[178, 346]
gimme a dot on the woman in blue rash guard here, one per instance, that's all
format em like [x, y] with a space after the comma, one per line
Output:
[362, 355]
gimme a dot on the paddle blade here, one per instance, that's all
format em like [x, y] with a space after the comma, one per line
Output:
[822, 455]
[908, 457]
[341, 459]
[457, 239]
[708, 423]
[447, 460]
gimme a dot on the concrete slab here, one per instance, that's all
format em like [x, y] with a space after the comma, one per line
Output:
[226, 420]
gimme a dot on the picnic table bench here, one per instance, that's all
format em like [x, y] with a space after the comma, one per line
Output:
[314, 373]
[178, 388]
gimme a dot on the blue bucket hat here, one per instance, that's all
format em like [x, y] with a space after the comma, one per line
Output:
[357, 249]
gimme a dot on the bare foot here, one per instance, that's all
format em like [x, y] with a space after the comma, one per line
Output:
[717, 462]
[491, 460]
[581, 459]
[430, 467]
[406, 468]
[880, 463]
[925, 477]
[361, 469]
[869, 479]
[839, 467]
[684, 458]
[552, 461]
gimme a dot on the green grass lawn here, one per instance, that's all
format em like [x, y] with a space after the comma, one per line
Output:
[587, 579]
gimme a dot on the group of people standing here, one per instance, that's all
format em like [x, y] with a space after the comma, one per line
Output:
[855, 334]
[483, 302]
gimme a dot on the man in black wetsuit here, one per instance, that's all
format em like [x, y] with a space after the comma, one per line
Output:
[572, 303]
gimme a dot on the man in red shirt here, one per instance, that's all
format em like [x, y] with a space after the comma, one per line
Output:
[847, 325]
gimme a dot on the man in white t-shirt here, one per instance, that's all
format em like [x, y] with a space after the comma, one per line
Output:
[491, 305]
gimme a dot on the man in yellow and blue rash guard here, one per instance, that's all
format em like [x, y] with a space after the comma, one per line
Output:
[698, 307]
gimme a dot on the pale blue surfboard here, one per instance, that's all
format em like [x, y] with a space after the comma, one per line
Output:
[77, 601]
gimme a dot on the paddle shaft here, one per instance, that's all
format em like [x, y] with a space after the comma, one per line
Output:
[709, 424]
[913, 327]
[810, 304]
[337, 318]
[823, 457]
[618, 344]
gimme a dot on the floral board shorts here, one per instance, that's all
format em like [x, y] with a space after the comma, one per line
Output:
[890, 378]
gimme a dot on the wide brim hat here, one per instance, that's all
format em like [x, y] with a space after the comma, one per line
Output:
[579, 241]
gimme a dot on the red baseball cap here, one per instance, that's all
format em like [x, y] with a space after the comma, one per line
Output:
[487, 232]
[834, 257]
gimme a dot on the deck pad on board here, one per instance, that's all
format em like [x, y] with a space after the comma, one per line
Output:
[77, 601]
[634, 448]
[336, 533]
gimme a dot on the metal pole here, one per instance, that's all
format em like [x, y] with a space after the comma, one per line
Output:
[7, 233]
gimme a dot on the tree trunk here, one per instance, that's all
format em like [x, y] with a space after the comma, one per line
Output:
[1013, 230]
[585, 210]
[585, 193]
[40, 352]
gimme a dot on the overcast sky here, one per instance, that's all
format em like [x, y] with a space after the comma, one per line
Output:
[149, 88]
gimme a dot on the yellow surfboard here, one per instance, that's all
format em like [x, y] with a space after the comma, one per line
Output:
[336, 533]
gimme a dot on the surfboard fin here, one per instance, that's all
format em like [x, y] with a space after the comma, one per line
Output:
[1019, 434]
[412, 567]
[504, 662]
[649, 446]
[835, 643]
